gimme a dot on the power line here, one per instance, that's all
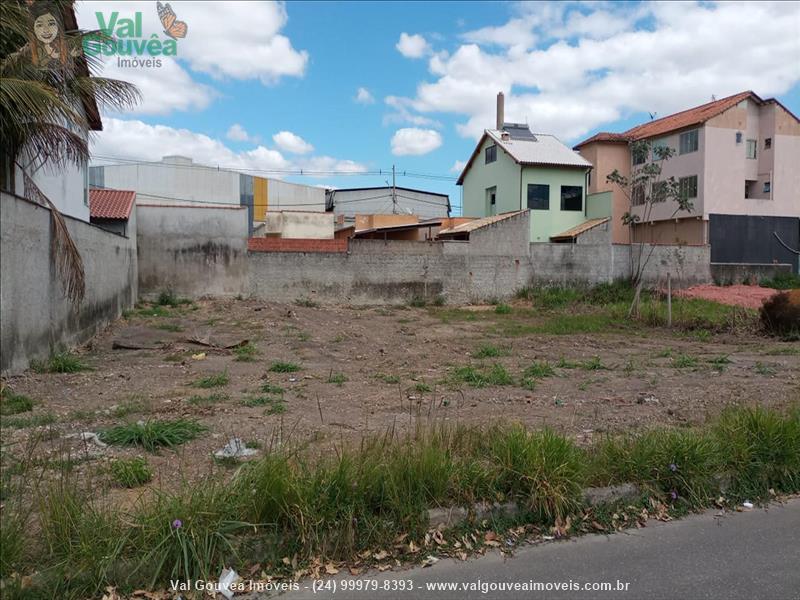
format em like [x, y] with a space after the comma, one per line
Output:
[121, 161]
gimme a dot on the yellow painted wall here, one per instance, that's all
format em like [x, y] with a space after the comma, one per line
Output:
[260, 199]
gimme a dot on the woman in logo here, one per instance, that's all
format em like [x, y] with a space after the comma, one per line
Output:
[50, 44]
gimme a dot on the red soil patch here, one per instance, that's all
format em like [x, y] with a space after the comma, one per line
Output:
[749, 296]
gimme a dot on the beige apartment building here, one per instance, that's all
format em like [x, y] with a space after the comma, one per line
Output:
[737, 159]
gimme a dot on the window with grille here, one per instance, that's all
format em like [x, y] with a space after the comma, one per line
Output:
[688, 142]
[688, 187]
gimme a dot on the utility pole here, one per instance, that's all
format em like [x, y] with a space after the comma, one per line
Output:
[394, 194]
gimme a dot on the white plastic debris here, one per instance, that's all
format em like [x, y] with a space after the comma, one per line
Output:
[747, 504]
[430, 561]
[226, 579]
[89, 437]
[235, 448]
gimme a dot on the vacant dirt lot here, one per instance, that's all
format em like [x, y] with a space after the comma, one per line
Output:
[369, 370]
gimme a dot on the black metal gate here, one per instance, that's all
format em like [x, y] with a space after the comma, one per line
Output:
[751, 239]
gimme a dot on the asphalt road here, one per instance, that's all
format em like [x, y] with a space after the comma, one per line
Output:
[749, 555]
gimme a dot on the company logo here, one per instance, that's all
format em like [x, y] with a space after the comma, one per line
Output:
[125, 39]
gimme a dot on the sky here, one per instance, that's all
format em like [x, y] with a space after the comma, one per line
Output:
[345, 90]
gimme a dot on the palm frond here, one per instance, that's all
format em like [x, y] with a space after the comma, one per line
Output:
[63, 251]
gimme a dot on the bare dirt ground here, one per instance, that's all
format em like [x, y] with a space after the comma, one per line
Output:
[365, 371]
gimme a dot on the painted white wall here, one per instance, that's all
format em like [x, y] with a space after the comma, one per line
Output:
[299, 225]
[66, 187]
[379, 201]
[282, 195]
[174, 178]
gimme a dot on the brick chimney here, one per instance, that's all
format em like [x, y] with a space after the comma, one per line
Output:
[501, 111]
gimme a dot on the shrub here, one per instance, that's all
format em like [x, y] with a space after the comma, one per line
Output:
[780, 314]
[131, 472]
[782, 281]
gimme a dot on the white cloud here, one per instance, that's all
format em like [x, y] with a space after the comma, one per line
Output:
[412, 46]
[239, 40]
[458, 166]
[363, 96]
[237, 133]
[413, 141]
[164, 89]
[403, 114]
[291, 142]
[577, 67]
[134, 139]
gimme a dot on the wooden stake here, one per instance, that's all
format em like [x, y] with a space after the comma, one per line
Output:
[669, 300]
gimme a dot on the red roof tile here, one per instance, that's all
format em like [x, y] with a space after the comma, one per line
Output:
[687, 118]
[603, 136]
[111, 204]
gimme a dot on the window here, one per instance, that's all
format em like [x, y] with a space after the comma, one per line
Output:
[637, 195]
[639, 155]
[538, 196]
[657, 145]
[767, 143]
[767, 187]
[688, 186]
[491, 154]
[688, 142]
[750, 149]
[660, 190]
[571, 197]
[491, 201]
[738, 137]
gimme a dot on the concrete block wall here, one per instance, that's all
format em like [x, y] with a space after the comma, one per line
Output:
[35, 317]
[687, 265]
[194, 251]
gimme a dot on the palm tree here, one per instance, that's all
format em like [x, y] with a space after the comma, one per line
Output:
[48, 103]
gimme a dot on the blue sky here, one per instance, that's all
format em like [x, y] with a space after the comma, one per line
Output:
[429, 73]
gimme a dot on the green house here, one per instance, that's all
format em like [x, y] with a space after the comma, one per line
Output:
[514, 169]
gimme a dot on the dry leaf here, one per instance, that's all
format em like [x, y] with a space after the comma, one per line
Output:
[429, 561]
[354, 571]
[598, 526]
[380, 555]
[330, 569]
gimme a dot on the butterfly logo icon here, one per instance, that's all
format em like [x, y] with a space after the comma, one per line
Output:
[172, 27]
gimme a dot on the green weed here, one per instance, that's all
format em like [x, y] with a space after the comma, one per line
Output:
[130, 472]
[496, 375]
[245, 353]
[61, 362]
[19, 422]
[763, 369]
[387, 378]
[284, 367]
[502, 309]
[214, 398]
[489, 351]
[13, 404]
[337, 378]
[174, 327]
[539, 370]
[152, 435]
[270, 388]
[212, 381]
[684, 361]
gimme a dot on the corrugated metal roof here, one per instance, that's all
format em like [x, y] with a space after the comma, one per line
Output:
[579, 229]
[111, 204]
[478, 223]
[545, 149]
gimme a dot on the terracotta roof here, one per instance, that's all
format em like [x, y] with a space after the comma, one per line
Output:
[603, 136]
[111, 204]
[687, 118]
[579, 229]
[478, 223]
[679, 120]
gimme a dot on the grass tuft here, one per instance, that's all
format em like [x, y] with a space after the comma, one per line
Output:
[152, 435]
[61, 362]
[337, 378]
[489, 351]
[684, 361]
[502, 309]
[539, 370]
[13, 404]
[212, 381]
[478, 378]
[284, 367]
[214, 398]
[130, 472]
[245, 353]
